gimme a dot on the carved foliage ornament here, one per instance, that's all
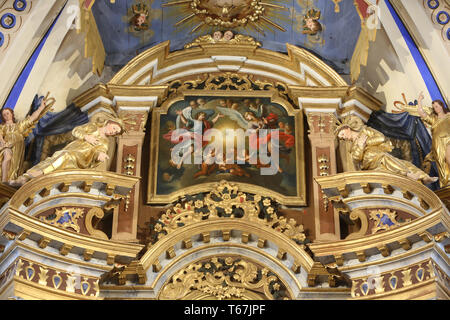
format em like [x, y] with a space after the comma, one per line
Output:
[228, 81]
[225, 278]
[384, 220]
[226, 202]
[65, 218]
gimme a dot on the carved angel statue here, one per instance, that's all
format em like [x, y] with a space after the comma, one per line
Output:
[88, 151]
[370, 150]
[439, 120]
[12, 138]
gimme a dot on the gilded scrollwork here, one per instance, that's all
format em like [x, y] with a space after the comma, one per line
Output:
[66, 218]
[225, 278]
[99, 214]
[227, 202]
[360, 215]
[228, 81]
[384, 220]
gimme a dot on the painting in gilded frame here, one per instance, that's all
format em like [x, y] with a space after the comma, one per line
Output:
[172, 178]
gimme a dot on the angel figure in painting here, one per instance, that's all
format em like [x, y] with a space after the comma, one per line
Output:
[370, 150]
[256, 121]
[439, 120]
[12, 139]
[200, 119]
[88, 151]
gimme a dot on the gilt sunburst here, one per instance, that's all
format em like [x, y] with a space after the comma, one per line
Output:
[252, 14]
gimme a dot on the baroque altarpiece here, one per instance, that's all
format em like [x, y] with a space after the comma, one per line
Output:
[340, 188]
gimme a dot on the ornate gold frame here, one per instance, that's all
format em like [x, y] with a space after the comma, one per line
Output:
[298, 200]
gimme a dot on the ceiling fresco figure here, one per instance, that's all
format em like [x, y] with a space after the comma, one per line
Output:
[140, 18]
[311, 24]
[271, 23]
[312, 28]
[139, 21]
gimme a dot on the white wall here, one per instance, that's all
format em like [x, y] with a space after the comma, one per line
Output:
[71, 74]
[35, 22]
[391, 69]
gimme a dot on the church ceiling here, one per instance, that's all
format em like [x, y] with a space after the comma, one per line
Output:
[328, 28]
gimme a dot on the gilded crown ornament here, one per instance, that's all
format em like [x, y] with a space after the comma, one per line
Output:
[66, 218]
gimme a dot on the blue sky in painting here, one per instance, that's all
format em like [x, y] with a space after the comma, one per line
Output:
[336, 45]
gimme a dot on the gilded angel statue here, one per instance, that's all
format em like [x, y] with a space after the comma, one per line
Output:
[88, 151]
[439, 120]
[12, 139]
[370, 150]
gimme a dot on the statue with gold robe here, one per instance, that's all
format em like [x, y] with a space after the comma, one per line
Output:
[88, 151]
[370, 150]
[12, 140]
[439, 121]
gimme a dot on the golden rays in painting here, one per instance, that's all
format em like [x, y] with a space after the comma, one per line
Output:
[255, 15]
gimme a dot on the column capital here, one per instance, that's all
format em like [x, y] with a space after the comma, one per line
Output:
[338, 100]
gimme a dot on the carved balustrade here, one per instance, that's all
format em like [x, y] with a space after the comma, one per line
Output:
[57, 211]
[373, 199]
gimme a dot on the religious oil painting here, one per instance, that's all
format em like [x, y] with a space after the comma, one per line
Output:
[200, 140]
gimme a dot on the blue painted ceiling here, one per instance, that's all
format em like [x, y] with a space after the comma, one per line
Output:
[334, 44]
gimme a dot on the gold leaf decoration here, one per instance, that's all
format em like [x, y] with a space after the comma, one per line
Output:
[225, 201]
[232, 39]
[65, 218]
[224, 278]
